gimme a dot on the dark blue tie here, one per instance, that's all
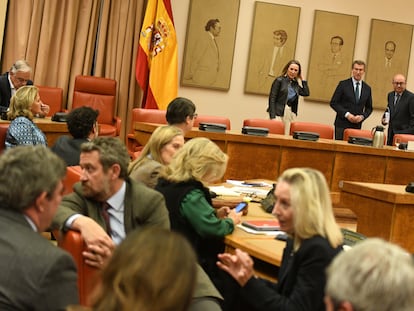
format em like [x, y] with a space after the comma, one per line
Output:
[357, 92]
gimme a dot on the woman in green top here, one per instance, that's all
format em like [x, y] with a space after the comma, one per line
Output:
[188, 200]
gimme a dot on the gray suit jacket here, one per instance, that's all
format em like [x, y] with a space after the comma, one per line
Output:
[35, 274]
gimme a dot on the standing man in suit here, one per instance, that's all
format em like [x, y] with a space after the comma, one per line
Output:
[205, 59]
[35, 274]
[352, 101]
[400, 108]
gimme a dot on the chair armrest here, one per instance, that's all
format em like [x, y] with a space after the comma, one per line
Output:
[88, 277]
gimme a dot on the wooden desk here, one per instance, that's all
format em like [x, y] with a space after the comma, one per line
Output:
[383, 210]
[50, 128]
[268, 157]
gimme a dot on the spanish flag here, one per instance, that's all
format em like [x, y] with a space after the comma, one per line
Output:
[156, 68]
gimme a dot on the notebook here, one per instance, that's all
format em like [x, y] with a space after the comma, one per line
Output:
[262, 225]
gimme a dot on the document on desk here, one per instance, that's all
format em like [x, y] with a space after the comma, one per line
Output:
[250, 230]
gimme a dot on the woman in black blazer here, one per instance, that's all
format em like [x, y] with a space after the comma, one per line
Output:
[284, 94]
[304, 210]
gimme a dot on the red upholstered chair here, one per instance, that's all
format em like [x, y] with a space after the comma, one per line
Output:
[52, 96]
[3, 131]
[143, 115]
[274, 126]
[404, 138]
[212, 119]
[357, 133]
[73, 174]
[100, 94]
[324, 130]
[88, 277]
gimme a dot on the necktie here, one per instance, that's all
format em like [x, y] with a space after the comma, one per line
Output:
[105, 216]
[357, 92]
[396, 99]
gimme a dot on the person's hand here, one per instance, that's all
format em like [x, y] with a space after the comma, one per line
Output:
[239, 265]
[44, 108]
[99, 244]
[236, 217]
[222, 212]
[97, 255]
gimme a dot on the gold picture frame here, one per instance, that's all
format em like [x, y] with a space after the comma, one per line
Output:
[388, 54]
[210, 41]
[331, 53]
[272, 44]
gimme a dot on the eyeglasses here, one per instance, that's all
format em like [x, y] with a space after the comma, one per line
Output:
[398, 83]
[194, 116]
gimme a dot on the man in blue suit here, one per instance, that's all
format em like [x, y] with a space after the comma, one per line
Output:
[352, 101]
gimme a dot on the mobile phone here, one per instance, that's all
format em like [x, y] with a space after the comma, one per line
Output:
[241, 206]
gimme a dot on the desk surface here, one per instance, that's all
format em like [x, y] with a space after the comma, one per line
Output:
[268, 157]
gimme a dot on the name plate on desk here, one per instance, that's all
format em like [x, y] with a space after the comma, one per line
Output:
[410, 146]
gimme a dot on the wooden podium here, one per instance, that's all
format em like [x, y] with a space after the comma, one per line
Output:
[382, 210]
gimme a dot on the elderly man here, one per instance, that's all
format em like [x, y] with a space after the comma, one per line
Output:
[35, 274]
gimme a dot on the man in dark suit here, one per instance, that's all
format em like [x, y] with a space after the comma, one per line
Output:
[10, 82]
[35, 274]
[352, 101]
[83, 126]
[400, 108]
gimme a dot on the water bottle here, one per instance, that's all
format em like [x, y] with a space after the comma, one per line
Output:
[378, 136]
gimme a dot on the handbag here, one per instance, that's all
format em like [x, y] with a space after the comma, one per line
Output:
[269, 201]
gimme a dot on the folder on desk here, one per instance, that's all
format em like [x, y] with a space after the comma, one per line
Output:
[305, 135]
[360, 141]
[257, 131]
[262, 225]
[212, 127]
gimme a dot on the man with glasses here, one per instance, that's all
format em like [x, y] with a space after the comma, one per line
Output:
[181, 113]
[10, 82]
[400, 108]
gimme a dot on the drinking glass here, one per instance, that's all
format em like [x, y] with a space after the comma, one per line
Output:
[397, 142]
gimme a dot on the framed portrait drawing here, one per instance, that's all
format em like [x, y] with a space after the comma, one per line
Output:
[331, 53]
[209, 46]
[388, 54]
[272, 45]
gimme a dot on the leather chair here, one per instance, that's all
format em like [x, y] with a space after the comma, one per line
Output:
[72, 242]
[100, 94]
[404, 138]
[3, 131]
[212, 119]
[274, 126]
[356, 133]
[324, 130]
[52, 96]
[143, 115]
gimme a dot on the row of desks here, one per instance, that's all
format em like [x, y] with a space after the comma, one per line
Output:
[268, 157]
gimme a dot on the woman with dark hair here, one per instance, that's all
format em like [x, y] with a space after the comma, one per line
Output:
[285, 92]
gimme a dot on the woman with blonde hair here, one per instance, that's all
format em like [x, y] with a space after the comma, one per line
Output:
[304, 210]
[23, 106]
[183, 184]
[138, 278]
[164, 142]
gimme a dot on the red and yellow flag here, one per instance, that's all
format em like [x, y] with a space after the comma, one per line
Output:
[157, 64]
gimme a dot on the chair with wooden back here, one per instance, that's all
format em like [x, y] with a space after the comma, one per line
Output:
[143, 115]
[212, 119]
[100, 94]
[274, 126]
[324, 130]
[52, 96]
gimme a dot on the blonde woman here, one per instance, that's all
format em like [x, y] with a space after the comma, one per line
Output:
[198, 163]
[304, 210]
[23, 106]
[164, 142]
